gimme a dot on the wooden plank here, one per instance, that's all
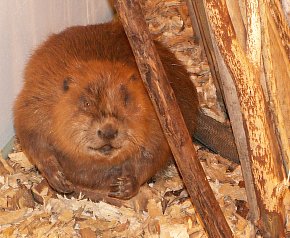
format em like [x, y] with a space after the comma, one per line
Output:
[169, 114]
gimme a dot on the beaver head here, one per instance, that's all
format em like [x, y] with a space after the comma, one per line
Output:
[104, 113]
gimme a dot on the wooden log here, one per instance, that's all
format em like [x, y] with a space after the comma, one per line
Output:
[277, 76]
[235, 115]
[281, 24]
[226, 147]
[237, 20]
[266, 163]
[231, 100]
[170, 117]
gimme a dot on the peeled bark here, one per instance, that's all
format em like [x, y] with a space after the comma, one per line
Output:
[229, 92]
[264, 151]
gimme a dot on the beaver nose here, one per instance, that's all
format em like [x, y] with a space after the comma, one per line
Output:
[108, 132]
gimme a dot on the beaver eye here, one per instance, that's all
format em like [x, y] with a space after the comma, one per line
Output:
[66, 83]
[85, 104]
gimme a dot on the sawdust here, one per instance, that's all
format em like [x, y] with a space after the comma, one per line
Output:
[29, 208]
[169, 23]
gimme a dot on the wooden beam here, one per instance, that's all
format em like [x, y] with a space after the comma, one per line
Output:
[170, 117]
[264, 154]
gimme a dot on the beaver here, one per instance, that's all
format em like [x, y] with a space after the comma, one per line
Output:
[84, 117]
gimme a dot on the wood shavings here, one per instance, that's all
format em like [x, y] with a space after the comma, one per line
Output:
[42, 192]
[87, 233]
[169, 23]
[10, 217]
[21, 199]
[20, 159]
[154, 209]
[162, 209]
[4, 168]
[175, 230]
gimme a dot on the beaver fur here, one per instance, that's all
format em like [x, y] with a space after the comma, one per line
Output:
[84, 117]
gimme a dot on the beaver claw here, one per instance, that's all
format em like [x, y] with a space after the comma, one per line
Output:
[59, 183]
[124, 187]
[52, 171]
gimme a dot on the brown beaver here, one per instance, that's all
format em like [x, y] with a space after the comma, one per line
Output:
[84, 117]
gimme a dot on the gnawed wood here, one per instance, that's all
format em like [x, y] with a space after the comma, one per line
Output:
[237, 20]
[265, 159]
[167, 109]
[232, 104]
[277, 80]
[281, 24]
[253, 45]
[236, 119]
[223, 141]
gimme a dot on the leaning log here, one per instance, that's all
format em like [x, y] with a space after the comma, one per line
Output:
[170, 117]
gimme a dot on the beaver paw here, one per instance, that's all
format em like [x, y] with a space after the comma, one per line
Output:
[59, 183]
[124, 187]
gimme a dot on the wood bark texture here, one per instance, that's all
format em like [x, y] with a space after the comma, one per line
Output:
[277, 75]
[237, 21]
[230, 94]
[169, 114]
[264, 151]
[223, 142]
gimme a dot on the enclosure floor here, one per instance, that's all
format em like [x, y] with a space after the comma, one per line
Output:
[161, 209]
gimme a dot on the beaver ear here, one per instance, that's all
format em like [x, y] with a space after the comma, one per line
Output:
[66, 83]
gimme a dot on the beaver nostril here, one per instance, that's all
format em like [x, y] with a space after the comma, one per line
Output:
[100, 133]
[108, 133]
